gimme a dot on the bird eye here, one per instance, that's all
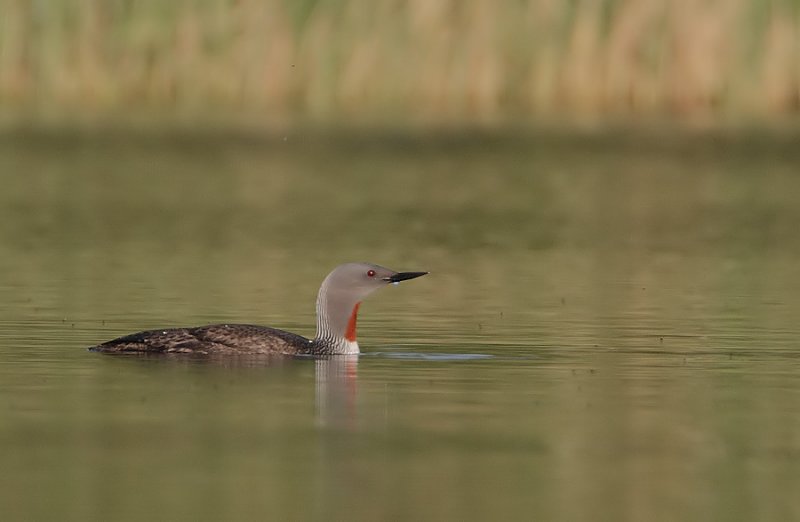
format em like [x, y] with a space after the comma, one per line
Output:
[371, 273]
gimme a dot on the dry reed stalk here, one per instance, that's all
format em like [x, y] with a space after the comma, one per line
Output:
[635, 58]
[410, 60]
[780, 72]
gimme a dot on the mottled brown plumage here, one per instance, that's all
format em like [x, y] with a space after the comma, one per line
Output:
[215, 339]
[337, 306]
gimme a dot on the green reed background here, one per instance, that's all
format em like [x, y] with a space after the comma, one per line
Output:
[439, 61]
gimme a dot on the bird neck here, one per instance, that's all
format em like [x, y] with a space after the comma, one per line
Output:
[336, 323]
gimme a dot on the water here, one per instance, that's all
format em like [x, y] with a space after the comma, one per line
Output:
[609, 330]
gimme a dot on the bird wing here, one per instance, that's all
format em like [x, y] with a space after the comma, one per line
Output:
[211, 339]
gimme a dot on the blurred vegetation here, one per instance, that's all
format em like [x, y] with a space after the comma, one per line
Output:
[414, 61]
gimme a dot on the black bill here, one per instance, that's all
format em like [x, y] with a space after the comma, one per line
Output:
[402, 276]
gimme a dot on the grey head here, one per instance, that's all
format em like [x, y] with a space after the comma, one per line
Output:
[338, 300]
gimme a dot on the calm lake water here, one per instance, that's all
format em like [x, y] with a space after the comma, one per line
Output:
[609, 330]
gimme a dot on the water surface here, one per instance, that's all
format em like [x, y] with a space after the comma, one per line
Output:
[609, 330]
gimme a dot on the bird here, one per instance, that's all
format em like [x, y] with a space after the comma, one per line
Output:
[338, 300]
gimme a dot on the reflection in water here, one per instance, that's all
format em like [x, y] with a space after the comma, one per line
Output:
[336, 390]
[215, 360]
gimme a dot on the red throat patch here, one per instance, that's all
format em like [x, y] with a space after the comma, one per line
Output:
[350, 334]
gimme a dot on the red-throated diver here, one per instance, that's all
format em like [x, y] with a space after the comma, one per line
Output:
[337, 306]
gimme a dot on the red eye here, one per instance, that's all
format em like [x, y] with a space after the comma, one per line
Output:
[371, 273]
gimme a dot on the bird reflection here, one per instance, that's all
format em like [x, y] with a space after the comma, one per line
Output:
[336, 380]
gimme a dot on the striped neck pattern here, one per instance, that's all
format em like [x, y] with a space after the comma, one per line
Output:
[336, 321]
